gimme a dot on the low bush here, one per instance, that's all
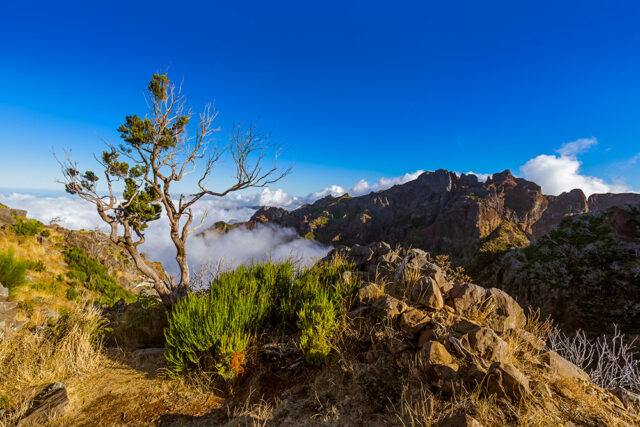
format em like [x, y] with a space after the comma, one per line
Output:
[12, 270]
[95, 277]
[211, 331]
[49, 287]
[37, 265]
[71, 293]
[27, 227]
[45, 233]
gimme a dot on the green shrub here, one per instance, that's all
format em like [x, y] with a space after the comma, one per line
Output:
[27, 227]
[71, 294]
[317, 321]
[12, 270]
[45, 233]
[211, 331]
[37, 265]
[49, 287]
[95, 277]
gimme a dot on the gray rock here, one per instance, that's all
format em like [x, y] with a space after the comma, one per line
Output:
[426, 292]
[562, 367]
[507, 313]
[463, 297]
[413, 320]
[507, 381]
[488, 345]
[50, 402]
[369, 292]
[388, 308]
[629, 400]
[460, 419]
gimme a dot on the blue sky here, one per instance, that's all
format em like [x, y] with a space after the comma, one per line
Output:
[353, 90]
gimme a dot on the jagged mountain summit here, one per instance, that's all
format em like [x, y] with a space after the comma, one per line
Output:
[442, 212]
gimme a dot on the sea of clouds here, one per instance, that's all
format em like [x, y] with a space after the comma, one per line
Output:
[555, 173]
[210, 250]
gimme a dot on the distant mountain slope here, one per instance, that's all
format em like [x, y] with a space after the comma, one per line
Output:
[443, 213]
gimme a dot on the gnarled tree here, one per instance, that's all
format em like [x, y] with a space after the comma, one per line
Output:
[156, 152]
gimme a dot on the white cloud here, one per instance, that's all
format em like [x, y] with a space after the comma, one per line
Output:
[363, 187]
[632, 161]
[579, 146]
[278, 197]
[559, 173]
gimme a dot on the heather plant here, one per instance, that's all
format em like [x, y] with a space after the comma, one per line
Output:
[95, 277]
[317, 320]
[210, 331]
[27, 227]
[12, 270]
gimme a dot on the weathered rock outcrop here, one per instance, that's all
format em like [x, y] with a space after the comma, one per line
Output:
[443, 213]
[585, 273]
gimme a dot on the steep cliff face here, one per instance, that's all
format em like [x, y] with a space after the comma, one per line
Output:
[440, 212]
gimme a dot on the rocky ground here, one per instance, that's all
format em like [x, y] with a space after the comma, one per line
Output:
[415, 348]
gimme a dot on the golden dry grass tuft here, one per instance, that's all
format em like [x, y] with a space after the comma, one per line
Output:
[48, 354]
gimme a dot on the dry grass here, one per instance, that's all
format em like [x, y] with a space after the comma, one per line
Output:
[46, 355]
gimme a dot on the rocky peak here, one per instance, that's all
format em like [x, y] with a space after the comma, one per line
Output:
[600, 202]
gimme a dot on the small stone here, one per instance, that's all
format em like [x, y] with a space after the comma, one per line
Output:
[488, 345]
[465, 296]
[507, 381]
[426, 292]
[369, 292]
[460, 419]
[436, 354]
[388, 308]
[562, 367]
[427, 334]
[413, 320]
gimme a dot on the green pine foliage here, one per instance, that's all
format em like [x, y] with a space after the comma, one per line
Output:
[210, 332]
[12, 270]
[95, 277]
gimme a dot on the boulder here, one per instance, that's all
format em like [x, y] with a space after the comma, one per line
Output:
[507, 313]
[426, 292]
[562, 367]
[369, 292]
[464, 326]
[4, 293]
[461, 419]
[388, 308]
[465, 296]
[427, 334]
[413, 320]
[436, 354]
[50, 401]
[629, 400]
[507, 381]
[363, 253]
[488, 345]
